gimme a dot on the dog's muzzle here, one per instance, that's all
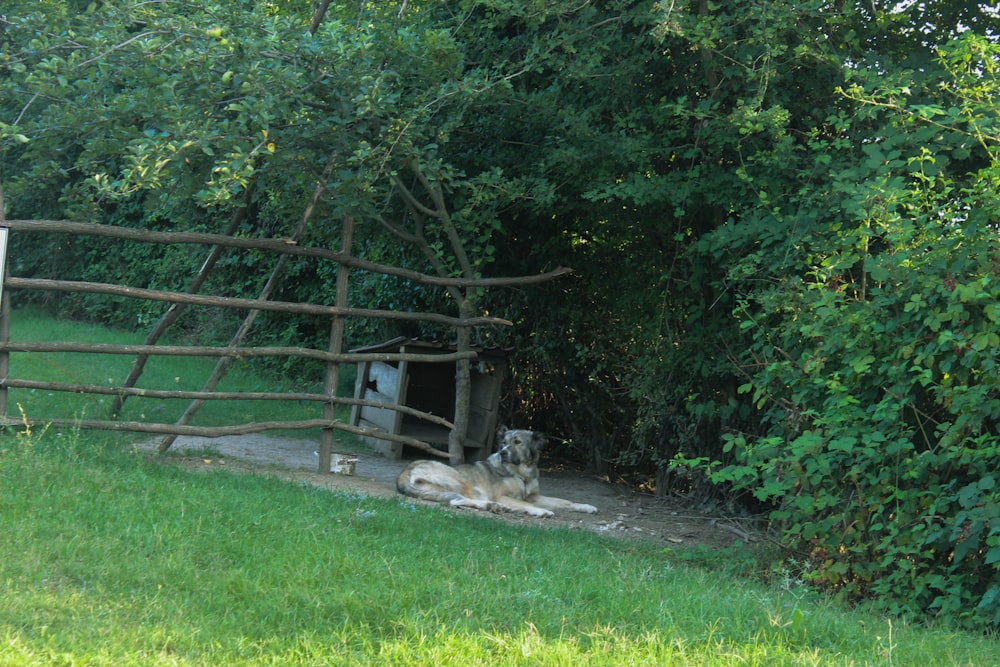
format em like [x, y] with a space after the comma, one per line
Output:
[505, 455]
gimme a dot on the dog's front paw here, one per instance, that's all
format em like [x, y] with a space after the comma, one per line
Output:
[462, 502]
[583, 507]
[540, 512]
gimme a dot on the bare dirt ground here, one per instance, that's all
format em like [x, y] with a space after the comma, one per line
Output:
[623, 512]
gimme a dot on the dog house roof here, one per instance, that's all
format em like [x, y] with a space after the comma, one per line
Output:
[402, 343]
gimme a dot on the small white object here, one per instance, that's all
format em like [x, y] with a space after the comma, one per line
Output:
[343, 464]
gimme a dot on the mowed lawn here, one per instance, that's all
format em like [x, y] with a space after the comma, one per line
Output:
[110, 556]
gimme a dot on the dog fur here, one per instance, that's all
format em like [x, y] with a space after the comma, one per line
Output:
[507, 481]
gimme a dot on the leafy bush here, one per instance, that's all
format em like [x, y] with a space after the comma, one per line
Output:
[883, 444]
[878, 385]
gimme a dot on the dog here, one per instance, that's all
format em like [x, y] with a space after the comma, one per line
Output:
[507, 481]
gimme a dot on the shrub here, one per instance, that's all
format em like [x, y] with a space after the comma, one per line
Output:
[875, 373]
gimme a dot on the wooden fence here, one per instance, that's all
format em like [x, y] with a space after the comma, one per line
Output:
[334, 356]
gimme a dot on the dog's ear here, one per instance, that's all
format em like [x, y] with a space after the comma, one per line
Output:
[538, 440]
[502, 431]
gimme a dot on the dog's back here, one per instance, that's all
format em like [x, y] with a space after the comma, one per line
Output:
[432, 480]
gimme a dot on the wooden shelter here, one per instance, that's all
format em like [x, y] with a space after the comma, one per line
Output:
[427, 386]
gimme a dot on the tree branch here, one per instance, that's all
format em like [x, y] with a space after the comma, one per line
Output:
[411, 201]
[396, 230]
[437, 196]
[318, 16]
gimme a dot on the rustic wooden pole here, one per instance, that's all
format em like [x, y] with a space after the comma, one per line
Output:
[101, 390]
[283, 247]
[463, 388]
[85, 287]
[235, 352]
[280, 246]
[215, 431]
[336, 346]
[4, 307]
[222, 366]
[175, 309]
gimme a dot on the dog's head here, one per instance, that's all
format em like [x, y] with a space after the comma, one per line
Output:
[518, 446]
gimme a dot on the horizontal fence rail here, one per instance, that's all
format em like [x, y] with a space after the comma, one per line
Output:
[234, 352]
[14, 383]
[282, 246]
[209, 431]
[45, 284]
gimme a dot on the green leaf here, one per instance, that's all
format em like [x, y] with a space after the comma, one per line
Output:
[863, 364]
[992, 555]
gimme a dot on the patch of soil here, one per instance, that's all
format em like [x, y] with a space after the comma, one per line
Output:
[623, 512]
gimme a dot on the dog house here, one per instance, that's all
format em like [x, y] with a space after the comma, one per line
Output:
[428, 386]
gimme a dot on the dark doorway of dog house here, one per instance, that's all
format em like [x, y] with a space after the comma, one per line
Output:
[428, 386]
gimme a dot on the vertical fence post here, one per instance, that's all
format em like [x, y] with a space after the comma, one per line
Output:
[336, 347]
[4, 308]
[4, 321]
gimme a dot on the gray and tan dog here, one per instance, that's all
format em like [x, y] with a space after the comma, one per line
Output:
[507, 481]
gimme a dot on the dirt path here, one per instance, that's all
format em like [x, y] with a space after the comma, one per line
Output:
[622, 512]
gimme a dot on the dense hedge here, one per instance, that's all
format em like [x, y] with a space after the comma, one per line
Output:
[875, 373]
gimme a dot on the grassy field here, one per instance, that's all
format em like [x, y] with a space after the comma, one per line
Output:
[111, 557]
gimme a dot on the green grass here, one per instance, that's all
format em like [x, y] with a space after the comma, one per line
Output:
[109, 558]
